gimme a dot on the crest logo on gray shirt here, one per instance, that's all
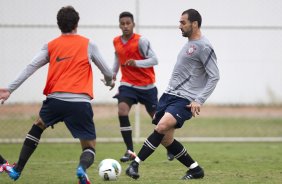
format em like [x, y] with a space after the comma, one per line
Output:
[191, 50]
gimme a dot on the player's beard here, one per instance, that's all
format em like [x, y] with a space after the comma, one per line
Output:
[187, 33]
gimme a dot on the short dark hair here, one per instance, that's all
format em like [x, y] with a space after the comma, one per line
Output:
[126, 14]
[193, 15]
[67, 19]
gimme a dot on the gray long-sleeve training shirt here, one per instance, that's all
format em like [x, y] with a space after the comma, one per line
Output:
[195, 73]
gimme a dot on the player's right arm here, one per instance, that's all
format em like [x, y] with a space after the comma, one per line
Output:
[115, 67]
[39, 60]
[101, 64]
[150, 58]
[148, 53]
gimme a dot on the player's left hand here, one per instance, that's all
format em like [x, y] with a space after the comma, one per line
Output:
[112, 84]
[4, 95]
[130, 62]
[114, 77]
[195, 108]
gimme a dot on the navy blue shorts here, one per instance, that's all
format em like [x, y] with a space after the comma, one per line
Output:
[147, 97]
[174, 105]
[78, 117]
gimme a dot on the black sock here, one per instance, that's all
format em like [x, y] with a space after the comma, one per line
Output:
[2, 160]
[87, 158]
[152, 142]
[126, 132]
[180, 153]
[29, 145]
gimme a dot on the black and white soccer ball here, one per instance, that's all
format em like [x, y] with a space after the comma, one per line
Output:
[109, 169]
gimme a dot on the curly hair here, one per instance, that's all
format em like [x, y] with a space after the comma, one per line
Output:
[67, 19]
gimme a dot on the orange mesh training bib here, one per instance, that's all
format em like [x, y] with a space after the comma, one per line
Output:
[133, 75]
[69, 67]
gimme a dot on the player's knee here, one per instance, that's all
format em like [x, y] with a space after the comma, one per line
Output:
[162, 128]
[123, 110]
[40, 124]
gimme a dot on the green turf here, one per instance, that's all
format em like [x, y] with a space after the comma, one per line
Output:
[197, 127]
[224, 163]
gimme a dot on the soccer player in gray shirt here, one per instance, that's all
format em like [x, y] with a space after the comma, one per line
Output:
[194, 78]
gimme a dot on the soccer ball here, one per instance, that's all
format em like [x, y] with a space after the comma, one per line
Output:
[109, 169]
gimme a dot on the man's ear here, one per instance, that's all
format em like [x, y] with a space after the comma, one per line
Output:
[195, 24]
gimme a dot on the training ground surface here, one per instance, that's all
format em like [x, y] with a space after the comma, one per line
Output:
[101, 110]
[224, 162]
[215, 123]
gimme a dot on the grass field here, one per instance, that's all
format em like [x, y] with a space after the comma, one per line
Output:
[224, 163]
[213, 122]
